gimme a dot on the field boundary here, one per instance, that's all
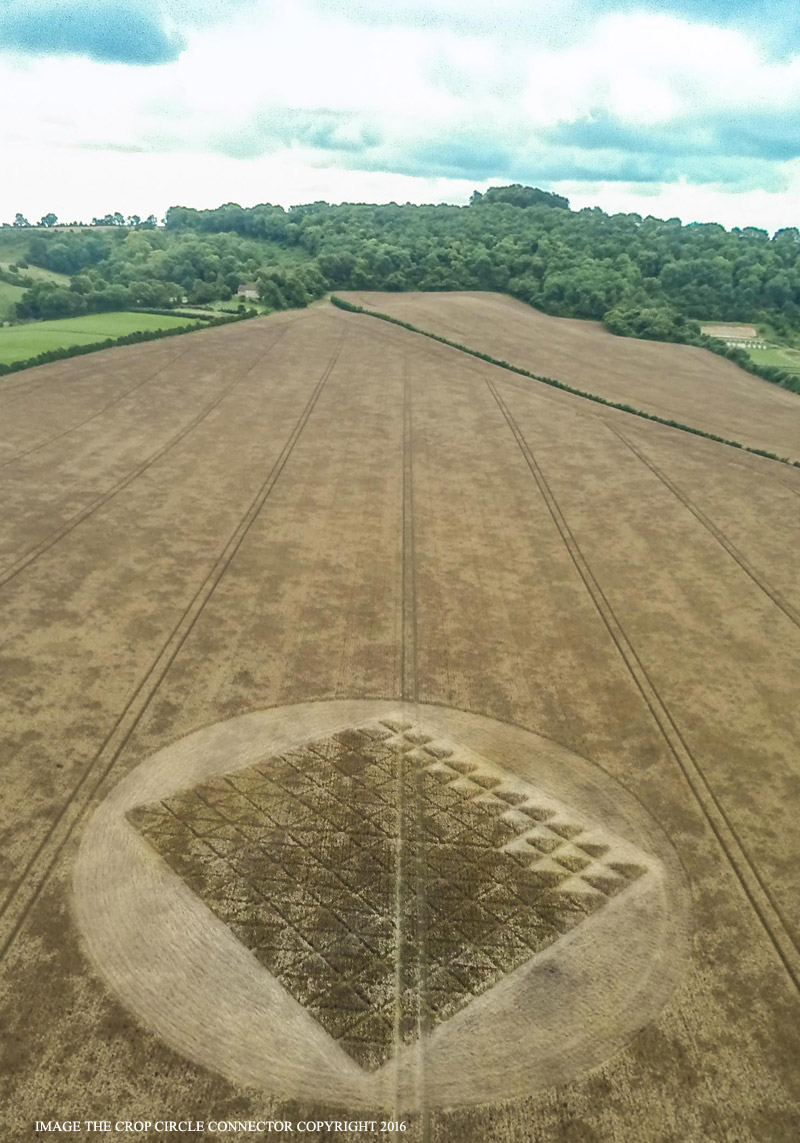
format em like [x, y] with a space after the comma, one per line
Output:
[555, 384]
[49, 355]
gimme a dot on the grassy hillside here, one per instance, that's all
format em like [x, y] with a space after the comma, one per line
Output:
[14, 243]
[9, 296]
[780, 356]
[14, 248]
[37, 274]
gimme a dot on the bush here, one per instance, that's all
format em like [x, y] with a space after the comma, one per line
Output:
[652, 322]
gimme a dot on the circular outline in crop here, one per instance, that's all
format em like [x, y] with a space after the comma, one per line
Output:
[184, 974]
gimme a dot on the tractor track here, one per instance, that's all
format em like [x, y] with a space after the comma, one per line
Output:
[28, 386]
[18, 904]
[29, 557]
[97, 413]
[772, 593]
[749, 879]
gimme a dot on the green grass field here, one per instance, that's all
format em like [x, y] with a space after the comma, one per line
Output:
[19, 342]
[14, 245]
[781, 357]
[9, 295]
[37, 273]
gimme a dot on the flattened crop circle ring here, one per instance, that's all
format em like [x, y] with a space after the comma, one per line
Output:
[375, 903]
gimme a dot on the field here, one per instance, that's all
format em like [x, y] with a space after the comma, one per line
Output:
[782, 357]
[37, 273]
[13, 250]
[725, 329]
[677, 382]
[770, 349]
[19, 342]
[385, 735]
[9, 295]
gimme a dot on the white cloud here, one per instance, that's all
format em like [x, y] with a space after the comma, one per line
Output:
[765, 209]
[297, 90]
[648, 68]
[92, 183]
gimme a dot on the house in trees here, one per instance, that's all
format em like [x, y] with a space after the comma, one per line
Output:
[248, 290]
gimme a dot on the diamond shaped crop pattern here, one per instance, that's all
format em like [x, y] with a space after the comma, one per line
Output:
[383, 880]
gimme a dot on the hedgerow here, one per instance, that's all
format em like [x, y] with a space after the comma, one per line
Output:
[740, 357]
[209, 315]
[553, 383]
[49, 355]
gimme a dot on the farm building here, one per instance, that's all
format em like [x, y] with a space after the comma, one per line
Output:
[248, 290]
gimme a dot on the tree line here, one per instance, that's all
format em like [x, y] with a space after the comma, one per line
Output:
[116, 219]
[153, 268]
[643, 276]
[528, 243]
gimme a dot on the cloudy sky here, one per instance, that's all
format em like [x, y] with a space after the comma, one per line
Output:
[685, 107]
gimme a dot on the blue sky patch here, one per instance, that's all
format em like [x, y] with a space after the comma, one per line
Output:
[107, 31]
